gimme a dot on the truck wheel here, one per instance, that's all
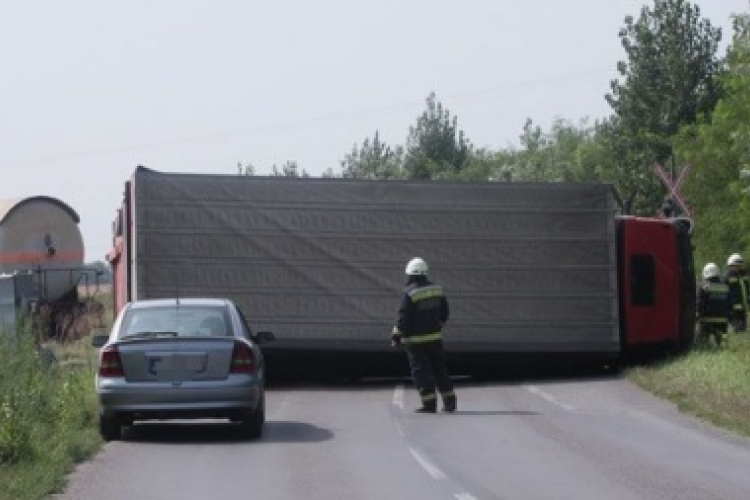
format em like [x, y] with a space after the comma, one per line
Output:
[110, 428]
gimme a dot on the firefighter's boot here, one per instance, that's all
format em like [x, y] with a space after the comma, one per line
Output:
[426, 409]
[449, 403]
[429, 401]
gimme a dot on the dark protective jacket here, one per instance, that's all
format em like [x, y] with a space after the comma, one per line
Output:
[738, 290]
[714, 303]
[422, 312]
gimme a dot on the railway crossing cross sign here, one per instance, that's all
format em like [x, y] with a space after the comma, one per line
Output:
[673, 186]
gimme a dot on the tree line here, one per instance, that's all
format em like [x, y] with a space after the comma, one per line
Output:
[676, 101]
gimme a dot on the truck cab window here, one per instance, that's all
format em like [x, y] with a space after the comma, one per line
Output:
[642, 280]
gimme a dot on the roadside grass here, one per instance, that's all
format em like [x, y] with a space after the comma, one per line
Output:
[710, 383]
[48, 414]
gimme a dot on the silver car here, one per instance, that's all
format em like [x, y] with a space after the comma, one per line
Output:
[180, 358]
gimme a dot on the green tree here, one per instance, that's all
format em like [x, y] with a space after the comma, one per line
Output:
[246, 168]
[718, 150]
[436, 148]
[289, 169]
[532, 162]
[328, 173]
[627, 165]
[670, 78]
[485, 165]
[567, 152]
[374, 160]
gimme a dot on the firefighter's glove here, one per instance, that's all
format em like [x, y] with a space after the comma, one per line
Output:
[396, 339]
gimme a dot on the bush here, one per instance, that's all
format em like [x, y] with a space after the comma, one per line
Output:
[20, 393]
[48, 416]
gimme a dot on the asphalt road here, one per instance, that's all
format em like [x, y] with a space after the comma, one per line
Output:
[584, 439]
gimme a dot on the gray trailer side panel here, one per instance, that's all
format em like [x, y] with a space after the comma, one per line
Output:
[527, 267]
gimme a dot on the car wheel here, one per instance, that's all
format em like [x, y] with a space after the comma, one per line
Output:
[251, 424]
[110, 427]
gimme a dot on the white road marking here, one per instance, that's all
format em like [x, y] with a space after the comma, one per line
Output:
[398, 397]
[548, 397]
[431, 468]
[398, 402]
[400, 430]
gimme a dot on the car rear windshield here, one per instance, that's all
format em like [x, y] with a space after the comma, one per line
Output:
[196, 321]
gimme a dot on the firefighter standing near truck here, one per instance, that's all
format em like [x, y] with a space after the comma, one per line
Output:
[422, 313]
[713, 305]
[736, 278]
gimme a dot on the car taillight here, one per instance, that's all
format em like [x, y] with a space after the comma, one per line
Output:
[243, 359]
[109, 362]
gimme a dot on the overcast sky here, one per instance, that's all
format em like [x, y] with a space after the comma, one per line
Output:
[90, 89]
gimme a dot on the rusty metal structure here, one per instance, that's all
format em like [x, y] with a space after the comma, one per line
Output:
[42, 273]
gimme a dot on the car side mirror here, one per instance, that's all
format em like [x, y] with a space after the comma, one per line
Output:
[98, 339]
[263, 337]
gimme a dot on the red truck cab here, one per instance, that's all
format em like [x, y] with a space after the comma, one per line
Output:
[657, 282]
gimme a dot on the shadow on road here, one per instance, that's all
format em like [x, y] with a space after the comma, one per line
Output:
[496, 413]
[217, 432]
[294, 432]
[355, 370]
[503, 375]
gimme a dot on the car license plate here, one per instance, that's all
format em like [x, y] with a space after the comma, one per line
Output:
[182, 363]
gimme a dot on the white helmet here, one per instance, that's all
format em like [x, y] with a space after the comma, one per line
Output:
[710, 271]
[735, 260]
[416, 267]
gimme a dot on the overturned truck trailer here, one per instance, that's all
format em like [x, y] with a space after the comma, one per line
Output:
[527, 267]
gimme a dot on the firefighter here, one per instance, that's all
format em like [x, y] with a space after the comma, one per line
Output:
[738, 292]
[422, 313]
[669, 209]
[713, 305]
